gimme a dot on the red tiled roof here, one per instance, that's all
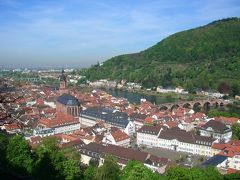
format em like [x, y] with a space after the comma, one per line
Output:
[39, 102]
[171, 124]
[227, 120]
[219, 146]
[149, 120]
[50, 111]
[119, 135]
[58, 120]
[10, 127]
[230, 171]
[229, 149]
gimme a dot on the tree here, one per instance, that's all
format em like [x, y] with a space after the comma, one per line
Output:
[224, 88]
[135, 170]
[236, 131]
[233, 176]
[19, 155]
[90, 172]
[94, 162]
[44, 164]
[3, 149]
[109, 170]
[182, 173]
[71, 169]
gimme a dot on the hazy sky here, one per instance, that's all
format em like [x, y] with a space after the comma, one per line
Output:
[67, 33]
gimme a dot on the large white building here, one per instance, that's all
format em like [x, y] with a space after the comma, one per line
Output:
[174, 139]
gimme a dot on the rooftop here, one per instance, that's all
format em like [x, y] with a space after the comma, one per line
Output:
[216, 126]
[68, 100]
[107, 115]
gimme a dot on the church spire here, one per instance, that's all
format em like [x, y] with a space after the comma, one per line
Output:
[63, 82]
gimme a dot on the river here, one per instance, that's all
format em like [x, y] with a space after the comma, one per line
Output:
[134, 97]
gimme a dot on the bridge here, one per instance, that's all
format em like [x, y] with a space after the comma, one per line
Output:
[190, 104]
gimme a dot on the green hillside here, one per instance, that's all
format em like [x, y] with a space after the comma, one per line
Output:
[206, 57]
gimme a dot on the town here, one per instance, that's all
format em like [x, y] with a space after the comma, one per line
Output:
[96, 124]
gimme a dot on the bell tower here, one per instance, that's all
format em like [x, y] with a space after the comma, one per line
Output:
[63, 83]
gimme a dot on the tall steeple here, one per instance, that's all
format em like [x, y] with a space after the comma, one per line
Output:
[63, 83]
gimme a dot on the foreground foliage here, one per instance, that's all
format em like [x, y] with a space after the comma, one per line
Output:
[47, 161]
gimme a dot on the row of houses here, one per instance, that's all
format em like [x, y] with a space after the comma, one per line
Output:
[226, 158]
[94, 151]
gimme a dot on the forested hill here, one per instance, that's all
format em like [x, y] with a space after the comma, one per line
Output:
[206, 57]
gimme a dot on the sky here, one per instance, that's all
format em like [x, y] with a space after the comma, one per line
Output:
[79, 33]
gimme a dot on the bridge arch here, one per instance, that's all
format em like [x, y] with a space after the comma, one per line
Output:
[187, 105]
[175, 106]
[163, 108]
[215, 104]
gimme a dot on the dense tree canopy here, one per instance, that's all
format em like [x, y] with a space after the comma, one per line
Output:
[205, 57]
[19, 155]
[137, 171]
[109, 170]
[47, 161]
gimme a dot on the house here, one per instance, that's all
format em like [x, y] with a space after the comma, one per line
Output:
[60, 123]
[218, 161]
[64, 141]
[228, 120]
[138, 119]
[231, 150]
[148, 135]
[117, 137]
[92, 115]
[123, 155]
[12, 128]
[217, 130]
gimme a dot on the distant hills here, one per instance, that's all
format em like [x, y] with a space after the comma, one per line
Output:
[206, 57]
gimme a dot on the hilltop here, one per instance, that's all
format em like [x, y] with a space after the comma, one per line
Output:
[207, 57]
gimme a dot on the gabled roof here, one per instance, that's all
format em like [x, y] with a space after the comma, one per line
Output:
[217, 126]
[60, 119]
[147, 129]
[119, 135]
[68, 100]
[184, 136]
[123, 153]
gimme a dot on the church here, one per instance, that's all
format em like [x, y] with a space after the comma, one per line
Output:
[67, 103]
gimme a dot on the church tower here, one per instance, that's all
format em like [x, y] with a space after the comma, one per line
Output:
[63, 83]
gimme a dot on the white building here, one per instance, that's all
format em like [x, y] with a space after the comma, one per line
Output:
[180, 140]
[174, 139]
[217, 130]
[148, 135]
[118, 138]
